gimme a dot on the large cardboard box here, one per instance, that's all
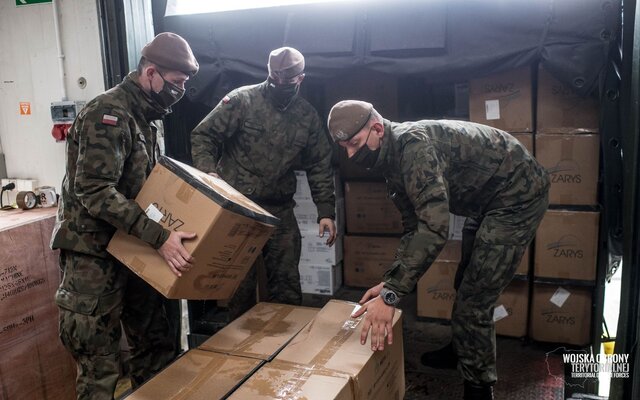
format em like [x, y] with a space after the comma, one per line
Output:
[567, 245]
[330, 346]
[436, 294]
[367, 258]
[503, 100]
[198, 375]
[561, 314]
[561, 110]
[320, 278]
[511, 311]
[33, 363]
[369, 209]
[314, 250]
[231, 230]
[572, 164]
[261, 332]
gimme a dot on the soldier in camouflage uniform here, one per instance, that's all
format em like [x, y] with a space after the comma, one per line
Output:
[112, 147]
[433, 168]
[254, 139]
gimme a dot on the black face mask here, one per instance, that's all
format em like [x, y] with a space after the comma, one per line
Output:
[283, 95]
[365, 157]
[169, 95]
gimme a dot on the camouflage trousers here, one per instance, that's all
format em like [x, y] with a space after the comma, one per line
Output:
[280, 257]
[97, 295]
[492, 248]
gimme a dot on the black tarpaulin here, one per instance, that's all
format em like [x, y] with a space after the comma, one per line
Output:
[439, 40]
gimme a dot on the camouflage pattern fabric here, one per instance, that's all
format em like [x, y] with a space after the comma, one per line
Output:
[436, 167]
[96, 294]
[111, 148]
[281, 256]
[256, 148]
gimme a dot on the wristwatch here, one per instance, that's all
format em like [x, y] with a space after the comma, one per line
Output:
[389, 297]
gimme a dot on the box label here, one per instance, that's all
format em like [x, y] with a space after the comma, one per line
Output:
[560, 296]
[492, 109]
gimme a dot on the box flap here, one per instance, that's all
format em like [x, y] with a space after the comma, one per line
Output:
[261, 332]
[198, 375]
[219, 191]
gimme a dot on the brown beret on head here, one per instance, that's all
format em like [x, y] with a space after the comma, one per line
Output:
[347, 118]
[285, 63]
[172, 52]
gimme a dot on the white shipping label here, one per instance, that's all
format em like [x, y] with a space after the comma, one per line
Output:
[492, 109]
[153, 213]
[499, 313]
[560, 296]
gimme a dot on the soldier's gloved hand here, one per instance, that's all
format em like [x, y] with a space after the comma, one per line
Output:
[175, 254]
[327, 224]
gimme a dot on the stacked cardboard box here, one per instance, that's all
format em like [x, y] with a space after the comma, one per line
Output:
[277, 351]
[567, 144]
[320, 265]
[34, 365]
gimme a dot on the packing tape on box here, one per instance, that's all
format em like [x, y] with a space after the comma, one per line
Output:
[268, 329]
[566, 148]
[302, 374]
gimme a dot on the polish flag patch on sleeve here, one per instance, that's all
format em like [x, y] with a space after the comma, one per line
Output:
[109, 120]
[226, 99]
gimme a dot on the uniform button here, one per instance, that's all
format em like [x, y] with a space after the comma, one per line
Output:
[83, 226]
[250, 190]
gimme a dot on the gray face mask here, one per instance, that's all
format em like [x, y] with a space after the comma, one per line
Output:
[282, 95]
[169, 95]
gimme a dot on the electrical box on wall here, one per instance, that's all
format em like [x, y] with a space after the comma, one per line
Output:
[62, 114]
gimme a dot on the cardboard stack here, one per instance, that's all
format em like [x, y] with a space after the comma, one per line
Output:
[231, 230]
[320, 265]
[277, 351]
[567, 144]
[34, 363]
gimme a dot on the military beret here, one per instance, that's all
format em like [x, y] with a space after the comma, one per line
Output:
[347, 118]
[285, 63]
[172, 52]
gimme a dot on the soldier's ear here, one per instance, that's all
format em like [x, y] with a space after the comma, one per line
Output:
[379, 129]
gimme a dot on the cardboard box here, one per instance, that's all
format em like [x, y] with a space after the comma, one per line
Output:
[320, 278]
[511, 311]
[572, 164]
[367, 258]
[198, 375]
[34, 364]
[303, 190]
[231, 230]
[436, 294]
[283, 380]
[503, 100]
[456, 224]
[369, 209]
[261, 332]
[314, 250]
[561, 110]
[332, 343]
[526, 139]
[567, 245]
[561, 314]
[307, 216]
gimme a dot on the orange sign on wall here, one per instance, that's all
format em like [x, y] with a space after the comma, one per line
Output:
[25, 108]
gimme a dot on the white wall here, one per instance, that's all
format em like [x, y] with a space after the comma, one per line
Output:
[29, 72]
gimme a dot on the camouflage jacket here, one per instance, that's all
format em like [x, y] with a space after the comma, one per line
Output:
[436, 167]
[111, 149]
[256, 148]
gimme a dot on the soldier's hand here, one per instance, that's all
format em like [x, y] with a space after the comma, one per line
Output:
[378, 319]
[373, 292]
[327, 224]
[175, 254]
